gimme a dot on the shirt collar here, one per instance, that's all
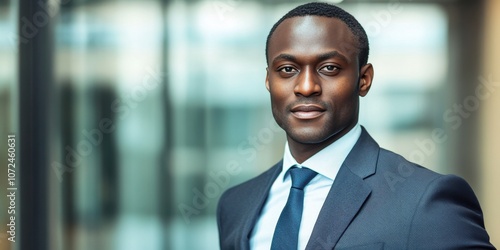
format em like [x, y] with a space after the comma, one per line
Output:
[328, 161]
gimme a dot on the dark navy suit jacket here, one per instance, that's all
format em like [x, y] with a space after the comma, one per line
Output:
[377, 201]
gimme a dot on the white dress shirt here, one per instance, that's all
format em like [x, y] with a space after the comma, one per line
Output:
[326, 163]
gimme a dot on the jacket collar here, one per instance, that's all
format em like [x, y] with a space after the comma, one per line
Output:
[261, 192]
[346, 196]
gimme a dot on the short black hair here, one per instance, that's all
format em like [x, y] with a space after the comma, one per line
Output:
[332, 11]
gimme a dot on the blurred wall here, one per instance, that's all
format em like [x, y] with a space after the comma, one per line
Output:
[490, 123]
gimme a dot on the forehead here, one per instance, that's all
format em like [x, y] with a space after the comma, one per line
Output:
[311, 35]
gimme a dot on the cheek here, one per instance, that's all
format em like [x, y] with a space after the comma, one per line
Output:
[341, 92]
[342, 100]
[279, 96]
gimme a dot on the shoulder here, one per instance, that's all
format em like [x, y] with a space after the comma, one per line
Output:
[240, 202]
[400, 173]
[446, 212]
[248, 187]
[242, 195]
[448, 215]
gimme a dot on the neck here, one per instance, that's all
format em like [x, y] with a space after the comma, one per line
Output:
[303, 151]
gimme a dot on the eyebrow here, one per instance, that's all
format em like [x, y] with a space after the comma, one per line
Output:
[284, 57]
[332, 54]
[321, 57]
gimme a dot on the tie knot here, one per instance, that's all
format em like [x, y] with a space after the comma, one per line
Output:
[301, 177]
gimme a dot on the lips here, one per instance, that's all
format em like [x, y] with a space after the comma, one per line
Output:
[307, 111]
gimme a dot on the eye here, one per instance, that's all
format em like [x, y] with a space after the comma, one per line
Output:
[287, 69]
[329, 69]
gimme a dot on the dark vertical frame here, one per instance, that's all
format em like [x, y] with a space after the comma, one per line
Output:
[165, 169]
[35, 90]
[67, 122]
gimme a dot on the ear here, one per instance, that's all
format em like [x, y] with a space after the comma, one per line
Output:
[267, 79]
[365, 79]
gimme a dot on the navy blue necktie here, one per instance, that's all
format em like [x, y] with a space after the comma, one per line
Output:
[286, 234]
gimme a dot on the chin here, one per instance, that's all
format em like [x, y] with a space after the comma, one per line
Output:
[308, 137]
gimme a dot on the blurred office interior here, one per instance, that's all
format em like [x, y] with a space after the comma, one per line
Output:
[132, 117]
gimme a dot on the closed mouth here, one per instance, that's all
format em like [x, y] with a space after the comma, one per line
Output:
[307, 111]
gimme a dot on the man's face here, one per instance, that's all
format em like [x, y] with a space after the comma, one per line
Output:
[314, 79]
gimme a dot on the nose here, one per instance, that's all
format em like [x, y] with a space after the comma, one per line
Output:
[307, 83]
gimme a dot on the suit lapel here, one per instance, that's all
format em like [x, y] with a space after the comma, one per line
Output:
[345, 198]
[347, 194]
[258, 196]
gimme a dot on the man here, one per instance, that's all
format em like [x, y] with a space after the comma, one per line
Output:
[335, 187]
